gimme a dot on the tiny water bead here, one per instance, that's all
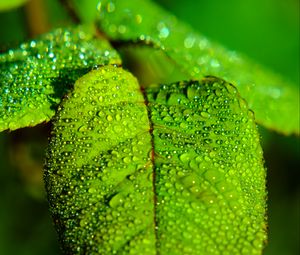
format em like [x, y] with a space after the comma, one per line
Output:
[269, 95]
[35, 76]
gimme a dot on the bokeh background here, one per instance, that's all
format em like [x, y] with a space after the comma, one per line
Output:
[265, 30]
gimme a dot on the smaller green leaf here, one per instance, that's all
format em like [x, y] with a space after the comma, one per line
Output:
[35, 76]
[10, 4]
[273, 99]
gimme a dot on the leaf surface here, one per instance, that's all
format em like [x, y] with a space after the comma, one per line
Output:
[99, 170]
[210, 180]
[34, 77]
[175, 171]
[273, 99]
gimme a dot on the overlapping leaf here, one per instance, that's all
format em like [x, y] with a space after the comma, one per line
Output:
[34, 77]
[273, 99]
[176, 171]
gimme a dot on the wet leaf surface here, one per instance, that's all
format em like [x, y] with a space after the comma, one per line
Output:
[273, 99]
[35, 77]
[176, 170]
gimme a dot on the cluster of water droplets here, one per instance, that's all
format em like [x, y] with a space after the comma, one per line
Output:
[210, 180]
[36, 75]
[141, 21]
[127, 21]
[189, 180]
[99, 169]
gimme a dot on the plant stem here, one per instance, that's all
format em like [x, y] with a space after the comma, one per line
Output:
[36, 17]
[70, 9]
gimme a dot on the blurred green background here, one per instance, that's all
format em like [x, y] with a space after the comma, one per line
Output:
[265, 30]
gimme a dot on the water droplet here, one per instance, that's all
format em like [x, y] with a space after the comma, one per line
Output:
[185, 158]
[110, 7]
[83, 128]
[189, 42]
[205, 114]
[116, 200]
[163, 30]
[109, 118]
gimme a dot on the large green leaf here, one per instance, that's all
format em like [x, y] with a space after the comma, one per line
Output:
[274, 100]
[177, 171]
[34, 77]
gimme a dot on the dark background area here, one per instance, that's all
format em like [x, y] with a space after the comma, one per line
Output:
[265, 30]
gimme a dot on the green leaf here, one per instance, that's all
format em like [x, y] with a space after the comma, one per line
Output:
[273, 99]
[35, 76]
[10, 4]
[176, 171]
[87, 10]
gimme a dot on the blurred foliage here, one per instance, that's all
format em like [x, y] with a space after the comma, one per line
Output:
[266, 30]
[25, 225]
[86, 10]
[10, 4]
